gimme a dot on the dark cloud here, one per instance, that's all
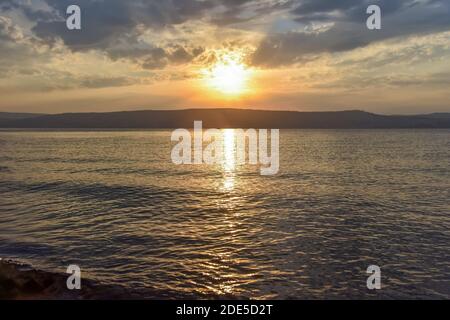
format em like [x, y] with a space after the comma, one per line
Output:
[239, 12]
[8, 31]
[345, 10]
[7, 5]
[96, 83]
[106, 21]
[16, 50]
[314, 6]
[158, 58]
[155, 59]
[348, 30]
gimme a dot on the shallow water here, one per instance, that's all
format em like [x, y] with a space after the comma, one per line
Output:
[114, 204]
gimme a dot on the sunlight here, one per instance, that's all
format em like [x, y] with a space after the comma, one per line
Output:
[228, 150]
[228, 75]
[229, 161]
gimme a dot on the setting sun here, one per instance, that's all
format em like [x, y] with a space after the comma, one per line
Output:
[228, 75]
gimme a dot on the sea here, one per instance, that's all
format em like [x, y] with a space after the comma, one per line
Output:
[114, 204]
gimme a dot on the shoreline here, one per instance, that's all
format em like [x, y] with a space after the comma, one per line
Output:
[20, 281]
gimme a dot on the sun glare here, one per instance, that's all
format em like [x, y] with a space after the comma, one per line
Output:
[228, 75]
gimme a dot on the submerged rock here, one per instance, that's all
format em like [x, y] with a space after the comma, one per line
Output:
[21, 281]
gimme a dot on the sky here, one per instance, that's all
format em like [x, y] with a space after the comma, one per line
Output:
[305, 55]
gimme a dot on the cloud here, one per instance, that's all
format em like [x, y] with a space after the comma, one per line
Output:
[18, 51]
[119, 28]
[8, 31]
[348, 30]
[104, 82]
[158, 58]
[107, 21]
[347, 10]
[126, 29]
[150, 57]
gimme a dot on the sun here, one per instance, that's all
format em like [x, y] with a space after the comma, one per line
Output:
[229, 74]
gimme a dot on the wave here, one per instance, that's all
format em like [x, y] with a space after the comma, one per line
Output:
[21, 281]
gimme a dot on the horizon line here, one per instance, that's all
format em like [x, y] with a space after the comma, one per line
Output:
[223, 108]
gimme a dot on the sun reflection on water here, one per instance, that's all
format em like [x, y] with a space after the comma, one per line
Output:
[229, 159]
[229, 150]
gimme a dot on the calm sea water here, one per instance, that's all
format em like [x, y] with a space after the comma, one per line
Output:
[113, 203]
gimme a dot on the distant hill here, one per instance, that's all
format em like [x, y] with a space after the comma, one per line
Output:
[13, 116]
[225, 118]
[438, 115]
[8, 117]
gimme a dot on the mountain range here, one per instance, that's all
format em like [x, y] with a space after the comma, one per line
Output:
[222, 118]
